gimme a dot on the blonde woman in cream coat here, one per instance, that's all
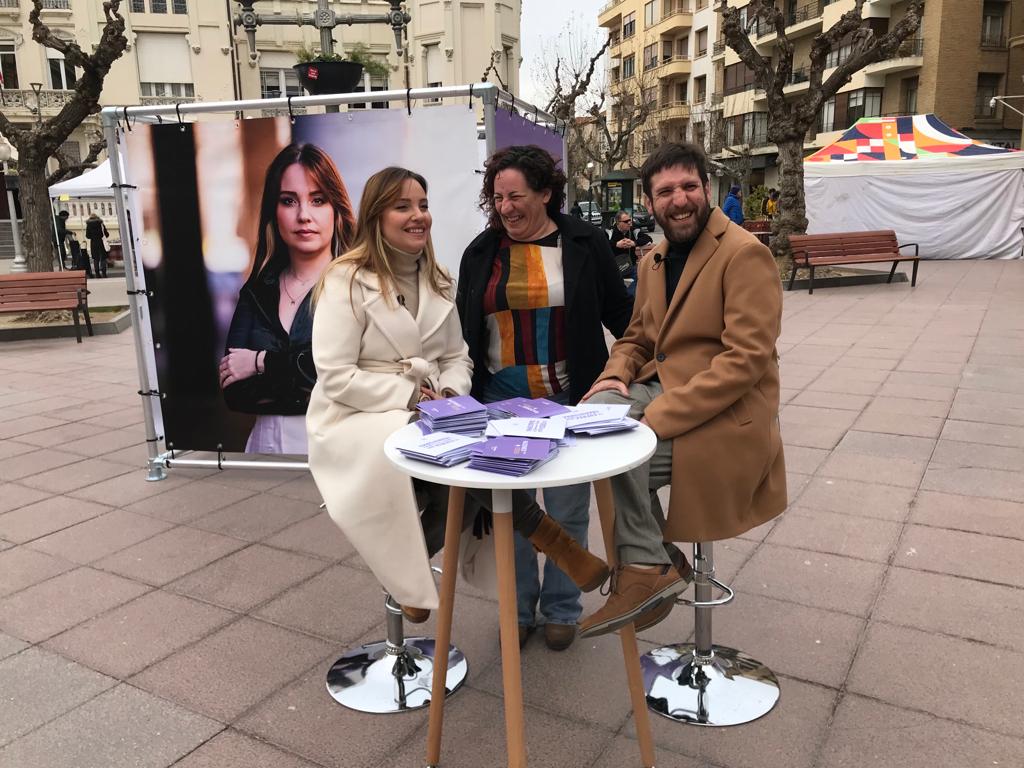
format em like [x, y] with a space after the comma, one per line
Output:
[385, 336]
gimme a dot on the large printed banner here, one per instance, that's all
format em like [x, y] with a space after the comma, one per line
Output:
[213, 196]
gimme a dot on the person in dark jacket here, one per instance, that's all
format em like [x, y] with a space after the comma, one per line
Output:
[60, 236]
[95, 231]
[624, 240]
[733, 205]
[536, 290]
[306, 220]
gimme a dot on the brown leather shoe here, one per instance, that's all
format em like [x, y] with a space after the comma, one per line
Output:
[587, 571]
[559, 636]
[415, 615]
[649, 618]
[634, 591]
[525, 630]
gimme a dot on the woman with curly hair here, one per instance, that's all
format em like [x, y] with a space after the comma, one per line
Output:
[534, 290]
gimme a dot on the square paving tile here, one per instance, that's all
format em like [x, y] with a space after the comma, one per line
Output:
[69, 598]
[956, 454]
[908, 406]
[475, 729]
[246, 578]
[122, 728]
[317, 535]
[988, 613]
[57, 436]
[867, 732]
[851, 465]
[848, 402]
[974, 481]
[624, 751]
[915, 669]
[836, 534]
[970, 513]
[170, 555]
[185, 503]
[977, 556]
[123, 490]
[302, 719]
[787, 737]
[341, 603]
[46, 516]
[887, 445]
[13, 495]
[302, 488]
[258, 517]
[34, 462]
[21, 568]
[900, 424]
[100, 536]
[73, 476]
[10, 645]
[812, 579]
[38, 686]
[132, 636]
[26, 425]
[229, 671]
[804, 460]
[231, 749]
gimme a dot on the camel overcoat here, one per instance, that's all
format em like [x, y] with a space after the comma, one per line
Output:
[713, 350]
[371, 359]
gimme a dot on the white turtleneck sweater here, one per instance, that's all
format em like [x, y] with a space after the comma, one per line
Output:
[406, 267]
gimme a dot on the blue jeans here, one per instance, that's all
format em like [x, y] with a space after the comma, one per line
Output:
[556, 595]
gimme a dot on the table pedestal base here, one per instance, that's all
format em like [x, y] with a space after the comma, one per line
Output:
[726, 687]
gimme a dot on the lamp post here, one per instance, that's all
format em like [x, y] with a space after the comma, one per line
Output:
[18, 265]
[36, 88]
[590, 183]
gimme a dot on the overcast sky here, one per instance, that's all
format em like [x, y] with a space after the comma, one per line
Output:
[542, 21]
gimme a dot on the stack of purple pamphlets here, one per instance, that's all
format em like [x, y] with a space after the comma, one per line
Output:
[599, 419]
[521, 407]
[513, 456]
[441, 448]
[459, 415]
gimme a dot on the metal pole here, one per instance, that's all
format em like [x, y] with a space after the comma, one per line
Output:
[325, 22]
[18, 265]
[703, 570]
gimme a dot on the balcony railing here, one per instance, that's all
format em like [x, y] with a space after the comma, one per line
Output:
[803, 13]
[26, 99]
[733, 90]
[9, 4]
[672, 9]
[152, 101]
[718, 48]
[912, 47]
[608, 6]
[993, 40]
[667, 104]
[798, 76]
[282, 112]
[57, 5]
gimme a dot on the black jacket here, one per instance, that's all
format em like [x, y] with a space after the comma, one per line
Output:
[288, 370]
[625, 259]
[594, 296]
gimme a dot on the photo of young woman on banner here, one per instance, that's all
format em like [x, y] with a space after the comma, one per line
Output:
[239, 219]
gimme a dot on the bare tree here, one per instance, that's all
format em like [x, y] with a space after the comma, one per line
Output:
[42, 140]
[790, 119]
[733, 161]
[492, 67]
[624, 121]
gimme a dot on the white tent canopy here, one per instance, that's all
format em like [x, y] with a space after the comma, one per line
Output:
[955, 197]
[94, 183]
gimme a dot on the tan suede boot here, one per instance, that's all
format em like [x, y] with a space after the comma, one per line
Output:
[586, 570]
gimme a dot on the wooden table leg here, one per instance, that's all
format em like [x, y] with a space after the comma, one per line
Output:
[509, 622]
[450, 565]
[630, 653]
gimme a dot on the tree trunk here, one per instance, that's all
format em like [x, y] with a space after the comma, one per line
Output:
[38, 221]
[792, 216]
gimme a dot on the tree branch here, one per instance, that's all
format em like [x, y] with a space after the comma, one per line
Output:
[493, 67]
[68, 170]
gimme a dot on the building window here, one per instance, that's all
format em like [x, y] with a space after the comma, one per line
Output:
[738, 78]
[158, 6]
[628, 25]
[8, 65]
[629, 66]
[909, 96]
[992, 25]
[698, 134]
[682, 47]
[179, 6]
[167, 90]
[275, 83]
[72, 151]
[372, 83]
[702, 42]
[650, 56]
[828, 116]
[988, 88]
[62, 74]
[138, 6]
[649, 14]
[700, 89]
[702, 4]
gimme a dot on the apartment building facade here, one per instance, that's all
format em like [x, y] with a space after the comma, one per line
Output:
[956, 63]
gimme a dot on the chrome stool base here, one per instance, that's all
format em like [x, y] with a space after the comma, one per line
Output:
[379, 678]
[726, 688]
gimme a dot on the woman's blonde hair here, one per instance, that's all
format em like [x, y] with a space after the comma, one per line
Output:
[370, 251]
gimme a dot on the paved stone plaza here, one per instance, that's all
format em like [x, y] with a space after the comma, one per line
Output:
[190, 622]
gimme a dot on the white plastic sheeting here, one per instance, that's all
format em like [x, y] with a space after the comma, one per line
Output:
[975, 214]
[94, 183]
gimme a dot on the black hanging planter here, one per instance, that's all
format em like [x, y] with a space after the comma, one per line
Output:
[321, 77]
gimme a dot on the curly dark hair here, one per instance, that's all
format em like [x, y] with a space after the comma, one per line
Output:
[538, 167]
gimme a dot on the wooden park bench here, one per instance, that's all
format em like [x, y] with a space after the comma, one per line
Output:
[35, 291]
[839, 248]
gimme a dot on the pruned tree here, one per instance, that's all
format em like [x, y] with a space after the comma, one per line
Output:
[734, 161]
[791, 118]
[38, 142]
[69, 169]
[492, 68]
[623, 116]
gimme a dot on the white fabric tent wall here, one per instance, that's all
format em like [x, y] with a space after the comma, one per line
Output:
[94, 183]
[969, 208]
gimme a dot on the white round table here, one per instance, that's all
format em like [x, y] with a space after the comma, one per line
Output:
[591, 459]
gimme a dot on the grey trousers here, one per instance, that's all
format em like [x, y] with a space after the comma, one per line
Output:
[638, 513]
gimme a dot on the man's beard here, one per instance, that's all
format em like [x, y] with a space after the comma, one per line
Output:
[683, 232]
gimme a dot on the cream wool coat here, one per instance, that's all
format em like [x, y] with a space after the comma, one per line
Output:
[371, 359]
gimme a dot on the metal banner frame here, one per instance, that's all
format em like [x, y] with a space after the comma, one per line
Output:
[117, 120]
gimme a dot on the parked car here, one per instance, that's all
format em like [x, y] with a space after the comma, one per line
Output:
[642, 218]
[591, 212]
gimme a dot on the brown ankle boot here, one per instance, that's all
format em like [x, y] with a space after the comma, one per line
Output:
[586, 570]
